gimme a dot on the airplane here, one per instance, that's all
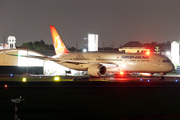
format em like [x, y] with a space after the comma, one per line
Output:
[98, 64]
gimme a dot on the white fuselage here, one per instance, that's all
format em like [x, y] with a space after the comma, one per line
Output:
[131, 62]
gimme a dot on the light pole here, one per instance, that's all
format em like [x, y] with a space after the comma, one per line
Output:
[27, 62]
[16, 101]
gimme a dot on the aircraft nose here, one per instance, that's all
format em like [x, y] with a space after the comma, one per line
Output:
[171, 67]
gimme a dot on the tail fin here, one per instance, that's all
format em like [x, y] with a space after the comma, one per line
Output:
[59, 45]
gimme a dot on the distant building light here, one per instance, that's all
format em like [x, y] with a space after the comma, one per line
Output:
[175, 53]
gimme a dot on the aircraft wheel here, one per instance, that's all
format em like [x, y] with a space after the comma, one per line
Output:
[162, 77]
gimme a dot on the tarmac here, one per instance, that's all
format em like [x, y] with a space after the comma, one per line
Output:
[79, 81]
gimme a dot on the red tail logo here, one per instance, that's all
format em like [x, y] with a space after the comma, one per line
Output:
[59, 46]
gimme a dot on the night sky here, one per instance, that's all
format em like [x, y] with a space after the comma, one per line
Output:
[120, 21]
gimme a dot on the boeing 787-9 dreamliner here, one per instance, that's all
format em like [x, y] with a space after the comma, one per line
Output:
[98, 64]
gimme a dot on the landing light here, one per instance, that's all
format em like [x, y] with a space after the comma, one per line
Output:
[121, 73]
[147, 53]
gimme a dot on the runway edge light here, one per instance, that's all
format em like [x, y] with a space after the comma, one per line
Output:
[56, 78]
[24, 79]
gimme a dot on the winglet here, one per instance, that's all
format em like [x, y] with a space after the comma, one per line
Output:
[59, 45]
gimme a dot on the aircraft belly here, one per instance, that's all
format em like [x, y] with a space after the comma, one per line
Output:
[113, 69]
[74, 66]
[154, 68]
[135, 67]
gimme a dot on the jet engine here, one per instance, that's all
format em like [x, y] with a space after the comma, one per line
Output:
[97, 70]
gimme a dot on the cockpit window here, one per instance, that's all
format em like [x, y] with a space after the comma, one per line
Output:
[166, 60]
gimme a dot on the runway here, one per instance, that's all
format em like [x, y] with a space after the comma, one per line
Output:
[91, 82]
[95, 98]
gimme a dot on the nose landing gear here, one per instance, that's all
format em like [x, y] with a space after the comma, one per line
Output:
[162, 75]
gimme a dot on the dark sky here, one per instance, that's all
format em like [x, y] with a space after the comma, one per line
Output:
[120, 21]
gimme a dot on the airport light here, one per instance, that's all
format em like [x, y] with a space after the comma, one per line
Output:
[24, 79]
[16, 101]
[5, 86]
[167, 53]
[84, 50]
[56, 78]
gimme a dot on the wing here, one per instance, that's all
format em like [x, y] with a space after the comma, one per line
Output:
[58, 60]
[29, 56]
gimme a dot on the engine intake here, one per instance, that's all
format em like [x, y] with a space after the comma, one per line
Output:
[97, 70]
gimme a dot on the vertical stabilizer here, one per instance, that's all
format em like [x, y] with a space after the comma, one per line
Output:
[59, 45]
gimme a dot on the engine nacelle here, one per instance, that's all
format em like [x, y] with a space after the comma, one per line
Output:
[97, 70]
